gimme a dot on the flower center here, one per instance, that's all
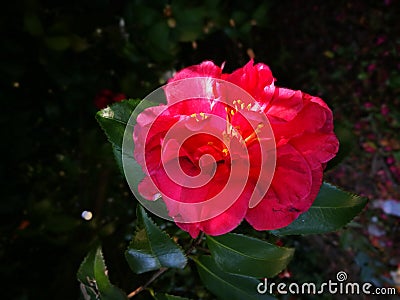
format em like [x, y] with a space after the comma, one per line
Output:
[233, 131]
[234, 115]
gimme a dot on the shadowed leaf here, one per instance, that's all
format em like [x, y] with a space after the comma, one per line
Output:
[151, 248]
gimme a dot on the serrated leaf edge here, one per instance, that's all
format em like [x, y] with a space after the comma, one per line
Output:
[166, 233]
[364, 199]
[353, 195]
[139, 227]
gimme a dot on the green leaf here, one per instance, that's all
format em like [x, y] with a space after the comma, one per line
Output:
[113, 120]
[117, 151]
[225, 285]
[248, 256]
[94, 279]
[331, 210]
[151, 248]
[168, 297]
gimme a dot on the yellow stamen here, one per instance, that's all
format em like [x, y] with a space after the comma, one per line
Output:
[253, 135]
[250, 137]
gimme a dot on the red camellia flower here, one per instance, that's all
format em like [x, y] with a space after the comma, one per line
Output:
[220, 146]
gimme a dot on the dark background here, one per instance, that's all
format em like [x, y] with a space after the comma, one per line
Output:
[61, 61]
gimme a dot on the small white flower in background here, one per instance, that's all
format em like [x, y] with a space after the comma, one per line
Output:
[390, 206]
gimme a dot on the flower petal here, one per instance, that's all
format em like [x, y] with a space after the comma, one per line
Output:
[291, 193]
[292, 179]
[269, 214]
[310, 119]
[148, 190]
[205, 69]
[252, 78]
[317, 148]
[223, 223]
[285, 104]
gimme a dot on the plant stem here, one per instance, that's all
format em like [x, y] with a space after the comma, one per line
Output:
[142, 287]
[195, 243]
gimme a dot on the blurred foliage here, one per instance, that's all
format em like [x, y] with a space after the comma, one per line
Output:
[56, 56]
